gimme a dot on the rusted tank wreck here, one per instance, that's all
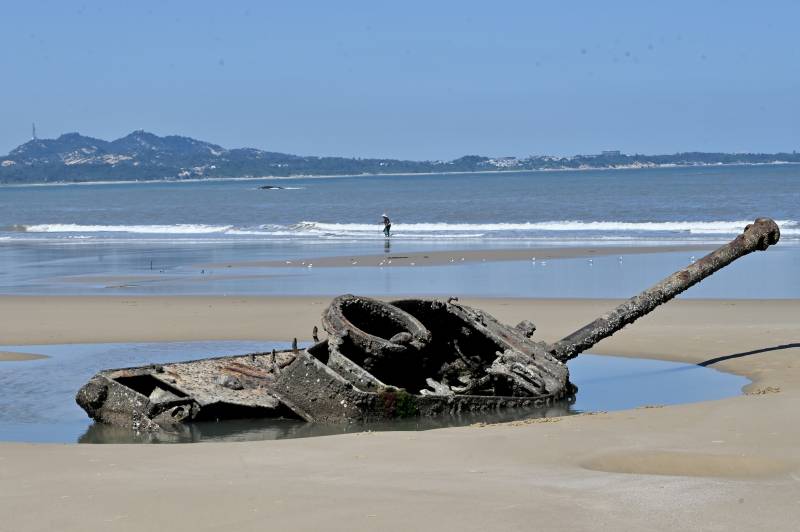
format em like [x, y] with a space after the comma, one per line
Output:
[381, 360]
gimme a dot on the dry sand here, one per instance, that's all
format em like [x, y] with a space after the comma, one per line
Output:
[732, 464]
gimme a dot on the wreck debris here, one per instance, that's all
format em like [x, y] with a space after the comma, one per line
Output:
[214, 388]
[381, 360]
[526, 327]
[374, 325]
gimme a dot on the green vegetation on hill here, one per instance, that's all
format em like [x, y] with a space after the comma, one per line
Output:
[145, 156]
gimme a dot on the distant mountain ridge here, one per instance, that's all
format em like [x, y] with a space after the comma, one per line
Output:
[141, 155]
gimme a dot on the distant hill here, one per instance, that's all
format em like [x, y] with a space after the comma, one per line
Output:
[141, 155]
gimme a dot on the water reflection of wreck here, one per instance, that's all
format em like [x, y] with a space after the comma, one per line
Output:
[406, 358]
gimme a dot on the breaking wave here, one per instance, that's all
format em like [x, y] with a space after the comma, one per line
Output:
[600, 230]
[182, 229]
[700, 228]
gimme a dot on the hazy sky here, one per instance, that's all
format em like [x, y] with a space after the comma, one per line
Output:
[421, 80]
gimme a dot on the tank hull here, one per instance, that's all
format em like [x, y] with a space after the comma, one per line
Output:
[327, 382]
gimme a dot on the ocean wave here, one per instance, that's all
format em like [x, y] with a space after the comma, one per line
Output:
[182, 229]
[433, 230]
[690, 227]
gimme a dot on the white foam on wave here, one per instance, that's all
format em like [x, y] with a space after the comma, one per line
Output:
[183, 229]
[434, 230]
[691, 227]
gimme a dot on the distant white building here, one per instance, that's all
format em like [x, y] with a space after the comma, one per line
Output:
[504, 162]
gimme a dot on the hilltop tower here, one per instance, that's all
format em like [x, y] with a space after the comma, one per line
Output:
[33, 131]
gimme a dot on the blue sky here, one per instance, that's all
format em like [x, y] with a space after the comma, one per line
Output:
[419, 80]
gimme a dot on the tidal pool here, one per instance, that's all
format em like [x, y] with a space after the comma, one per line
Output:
[37, 397]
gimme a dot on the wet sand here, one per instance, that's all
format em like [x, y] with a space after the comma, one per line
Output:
[439, 258]
[13, 356]
[719, 465]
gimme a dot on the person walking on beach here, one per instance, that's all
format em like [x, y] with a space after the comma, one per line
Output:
[387, 225]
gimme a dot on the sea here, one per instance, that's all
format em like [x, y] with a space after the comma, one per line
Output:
[160, 237]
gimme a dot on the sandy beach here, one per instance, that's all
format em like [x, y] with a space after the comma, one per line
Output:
[720, 465]
[14, 356]
[603, 200]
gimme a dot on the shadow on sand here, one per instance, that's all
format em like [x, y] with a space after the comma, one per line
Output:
[712, 361]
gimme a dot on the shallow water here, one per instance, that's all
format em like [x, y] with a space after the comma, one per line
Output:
[104, 269]
[37, 397]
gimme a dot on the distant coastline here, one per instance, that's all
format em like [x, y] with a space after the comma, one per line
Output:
[173, 180]
[147, 158]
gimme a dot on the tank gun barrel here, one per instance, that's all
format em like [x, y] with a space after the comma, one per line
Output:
[759, 235]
